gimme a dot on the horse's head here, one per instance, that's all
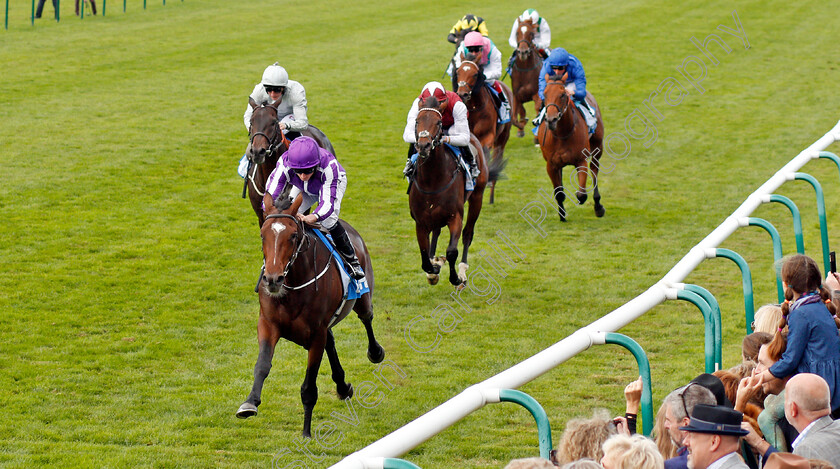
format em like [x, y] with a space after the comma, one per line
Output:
[428, 128]
[282, 240]
[265, 134]
[467, 75]
[525, 38]
[556, 99]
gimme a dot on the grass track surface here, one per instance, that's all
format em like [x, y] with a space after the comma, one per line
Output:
[127, 312]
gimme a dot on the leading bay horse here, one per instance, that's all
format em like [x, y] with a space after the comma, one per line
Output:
[525, 74]
[483, 116]
[564, 140]
[267, 144]
[301, 299]
[437, 195]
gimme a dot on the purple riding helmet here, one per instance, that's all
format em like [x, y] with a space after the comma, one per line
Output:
[303, 153]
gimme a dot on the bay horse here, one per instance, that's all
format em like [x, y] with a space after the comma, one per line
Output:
[267, 144]
[565, 140]
[301, 299]
[483, 116]
[525, 74]
[437, 195]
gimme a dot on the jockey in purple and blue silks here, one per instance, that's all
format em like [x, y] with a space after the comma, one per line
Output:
[557, 63]
[316, 174]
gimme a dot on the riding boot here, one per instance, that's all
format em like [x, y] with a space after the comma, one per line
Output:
[470, 159]
[342, 244]
[408, 171]
[540, 115]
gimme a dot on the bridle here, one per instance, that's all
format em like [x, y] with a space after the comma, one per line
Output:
[278, 139]
[435, 143]
[533, 49]
[464, 83]
[302, 245]
[561, 112]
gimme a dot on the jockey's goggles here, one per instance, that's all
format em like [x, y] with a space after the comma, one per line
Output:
[558, 67]
[306, 170]
[275, 89]
[474, 49]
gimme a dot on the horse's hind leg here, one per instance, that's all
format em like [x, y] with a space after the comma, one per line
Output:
[455, 226]
[364, 309]
[343, 388]
[476, 199]
[519, 119]
[268, 337]
[559, 194]
[309, 388]
[594, 165]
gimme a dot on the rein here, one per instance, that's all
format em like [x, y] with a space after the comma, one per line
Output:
[273, 145]
[298, 249]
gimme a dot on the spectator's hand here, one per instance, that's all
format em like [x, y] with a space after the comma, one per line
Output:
[621, 426]
[832, 281]
[747, 389]
[754, 440]
[633, 396]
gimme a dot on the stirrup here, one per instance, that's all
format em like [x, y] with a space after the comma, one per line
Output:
[356, 270]
[474, 171]
[408, 171]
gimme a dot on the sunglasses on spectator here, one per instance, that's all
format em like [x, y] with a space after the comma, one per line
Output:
[682, 398]
[274, 89]
[306, 170]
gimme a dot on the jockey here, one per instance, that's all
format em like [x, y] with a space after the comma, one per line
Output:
[276, 86]
[466, 25]
[456, 126]
[481, 50]
[559, 62]
[542, 40]
[319, 178]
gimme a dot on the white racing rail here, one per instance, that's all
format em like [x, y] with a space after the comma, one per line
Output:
[476, 396]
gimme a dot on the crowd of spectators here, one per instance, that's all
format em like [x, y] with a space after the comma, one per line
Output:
[776, 409]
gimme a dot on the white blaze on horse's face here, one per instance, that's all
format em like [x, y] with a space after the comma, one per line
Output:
[467, 68]
[524, 29]
[277, 228]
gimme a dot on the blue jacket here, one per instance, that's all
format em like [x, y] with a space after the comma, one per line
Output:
[559, 56]
[812, 347]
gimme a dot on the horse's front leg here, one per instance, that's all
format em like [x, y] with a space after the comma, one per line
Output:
[556, 175]
[519, 119]
[432, 270]
[364, 309]
[268, 335]
[455, 226]
[309, 388]
[582, 172]
[343, 388]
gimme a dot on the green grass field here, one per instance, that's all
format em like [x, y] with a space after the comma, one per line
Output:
[127, 311]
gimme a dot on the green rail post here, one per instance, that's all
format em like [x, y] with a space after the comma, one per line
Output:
[716, 316]
[534, 407]
[82, 16]
[32, 17]
[820, 211]
[644, 372]
[394, 463]
[7, 15]
[709, 323]
[777, 249]
[103, 7]
[831, 156]
[746, 281]
[124, 6]
[797, 219]
[144, 4]
[57, 5]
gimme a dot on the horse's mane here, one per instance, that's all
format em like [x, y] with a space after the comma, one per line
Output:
[283, 201]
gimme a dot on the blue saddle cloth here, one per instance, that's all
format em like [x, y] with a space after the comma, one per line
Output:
[353, 288]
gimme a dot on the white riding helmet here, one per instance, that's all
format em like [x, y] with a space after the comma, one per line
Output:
[530, 14]
[275, 75]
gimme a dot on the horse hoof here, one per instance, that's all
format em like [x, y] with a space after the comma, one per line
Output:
[433, 278]
[347, 395]
[600, 211]
[581, 198]
[520, 133]
[377, 356]
[246, 410]
[461, 286]
[462, 272]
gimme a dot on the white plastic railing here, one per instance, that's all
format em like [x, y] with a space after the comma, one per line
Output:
[476, 396]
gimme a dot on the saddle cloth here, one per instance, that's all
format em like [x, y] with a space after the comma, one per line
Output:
[353, 288]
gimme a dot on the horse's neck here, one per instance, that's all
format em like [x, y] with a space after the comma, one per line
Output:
[437, 165]
[568, 122]
[480, 99]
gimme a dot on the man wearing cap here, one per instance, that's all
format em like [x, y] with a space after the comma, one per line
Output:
[678, 407]
[713, 439]
[456, 126]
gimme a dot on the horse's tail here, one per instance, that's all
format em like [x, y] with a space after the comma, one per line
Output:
[495, 167]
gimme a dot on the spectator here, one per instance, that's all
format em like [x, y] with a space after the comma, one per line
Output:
[585, 463]
[812, 344]
[786, 461]
[753, 342]
[633, 400]
[631, 452]
[767, 318]
[583, 438]
[807, 407]
[714, 434]
[530, 463]
[678, 407]
[715, 385]
[667, 447]
[41, 8]
[777, 431]
[731, 383]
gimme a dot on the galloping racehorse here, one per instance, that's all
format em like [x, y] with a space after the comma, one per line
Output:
[437, 194]
[483, 116]
[301, 298]
[565, 140]
[267, 144]
[525, 74]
